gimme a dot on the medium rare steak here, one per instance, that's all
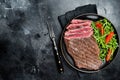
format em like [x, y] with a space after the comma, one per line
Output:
[84, 52]
[74, 26]
[82, 46]
[79, 35]
[79, 30]
[75, 21]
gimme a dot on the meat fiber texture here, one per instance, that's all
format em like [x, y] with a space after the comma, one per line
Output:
[81, 45]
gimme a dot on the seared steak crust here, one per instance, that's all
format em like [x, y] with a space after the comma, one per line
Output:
[84, 52]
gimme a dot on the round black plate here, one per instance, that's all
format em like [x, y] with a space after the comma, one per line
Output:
[67, 57]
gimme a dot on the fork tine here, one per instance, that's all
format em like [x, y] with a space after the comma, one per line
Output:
[53, 35]
[50, 29]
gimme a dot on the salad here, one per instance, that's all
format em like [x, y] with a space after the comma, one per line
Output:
[106, 38]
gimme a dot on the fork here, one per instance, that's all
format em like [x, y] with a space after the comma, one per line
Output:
[57, 55]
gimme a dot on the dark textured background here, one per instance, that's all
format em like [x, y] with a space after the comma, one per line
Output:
[25, 43]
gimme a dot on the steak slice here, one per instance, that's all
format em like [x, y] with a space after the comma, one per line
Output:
[79, 35]
[78, 30]
[75, 21]
[74, 26]
[85, 52]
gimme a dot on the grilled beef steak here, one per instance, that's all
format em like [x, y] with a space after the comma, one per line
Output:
[82, 46]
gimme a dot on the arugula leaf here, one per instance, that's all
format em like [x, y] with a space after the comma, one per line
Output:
[101, 38]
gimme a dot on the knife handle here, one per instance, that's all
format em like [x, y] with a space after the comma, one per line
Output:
[58, 58]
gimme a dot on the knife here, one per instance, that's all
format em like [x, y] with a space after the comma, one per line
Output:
[57, 55]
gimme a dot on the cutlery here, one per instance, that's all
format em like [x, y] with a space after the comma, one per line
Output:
[57, 55]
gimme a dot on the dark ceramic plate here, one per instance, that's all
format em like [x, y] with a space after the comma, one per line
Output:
[68, 58]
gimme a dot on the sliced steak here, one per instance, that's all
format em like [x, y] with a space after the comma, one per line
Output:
[74, 26]
[78, 30]
[81, 45]
[84, 52]
[75, 21]
[79, 35]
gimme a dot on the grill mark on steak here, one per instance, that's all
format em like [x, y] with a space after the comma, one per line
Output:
[83, 49]
[88, 43]
[96, 62]
[94, 49]
[87, 56]
[82, 62]
[72, 53]
[92, 41]
[78, 59]
[83, 45]
[88, 59]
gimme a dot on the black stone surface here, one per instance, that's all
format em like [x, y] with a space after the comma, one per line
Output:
[25, 57]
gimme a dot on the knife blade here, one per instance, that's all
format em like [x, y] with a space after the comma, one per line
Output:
[57, 55]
